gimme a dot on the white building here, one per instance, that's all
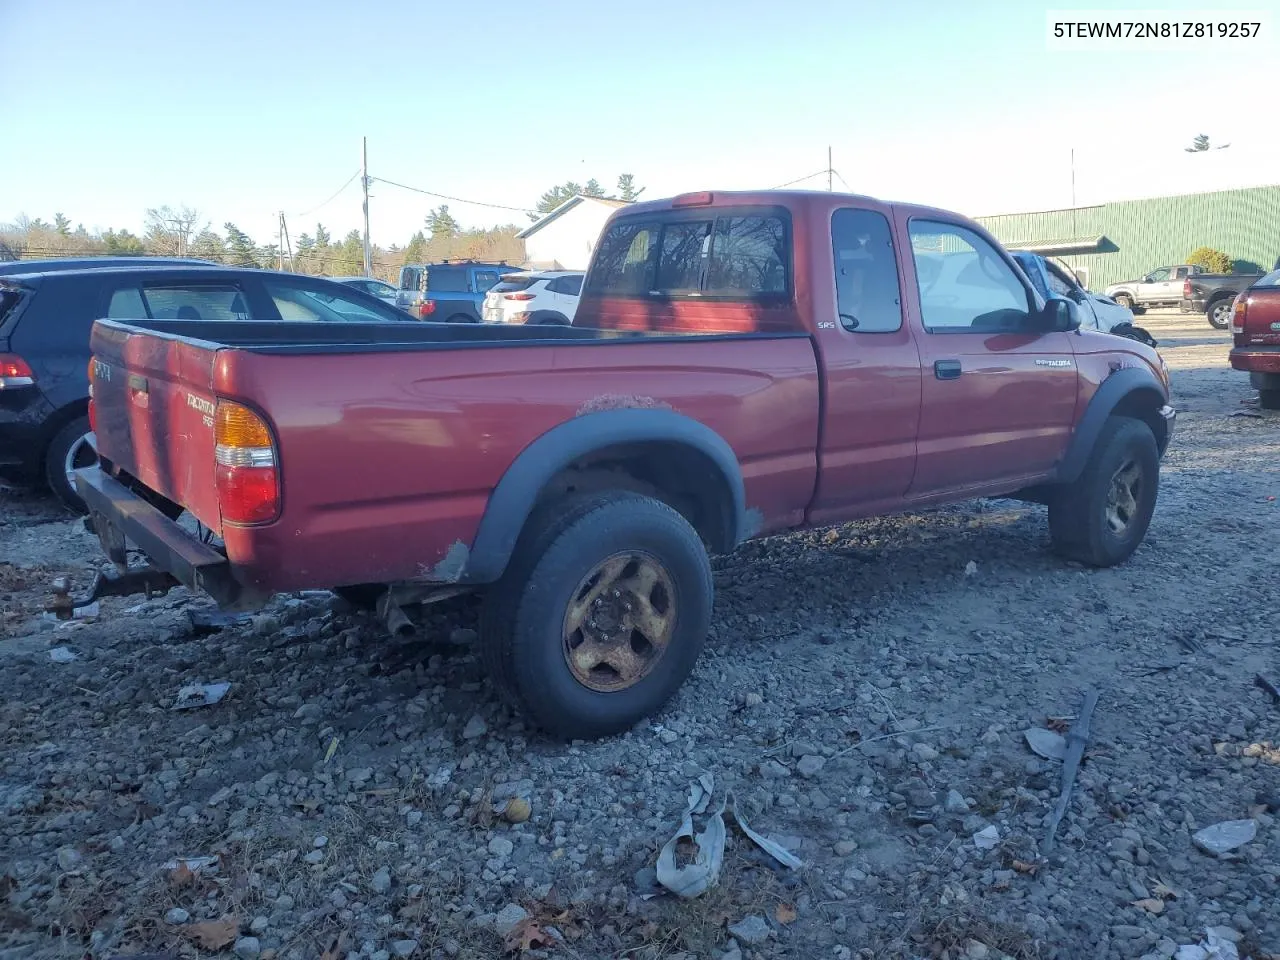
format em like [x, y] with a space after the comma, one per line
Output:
[565, 237]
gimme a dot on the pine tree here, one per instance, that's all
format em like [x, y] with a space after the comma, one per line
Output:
[208, 245]
[627, 188]
[241, 251]
[441, 225]
[62, 225]
[322, 237]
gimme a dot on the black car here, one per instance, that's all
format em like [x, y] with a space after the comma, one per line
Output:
[46, 318]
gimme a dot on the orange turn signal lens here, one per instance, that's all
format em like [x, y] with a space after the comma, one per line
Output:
[238, 426]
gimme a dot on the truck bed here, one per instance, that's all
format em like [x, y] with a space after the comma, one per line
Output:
[390, 438]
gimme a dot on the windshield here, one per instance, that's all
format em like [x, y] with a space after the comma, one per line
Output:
[1272, 279]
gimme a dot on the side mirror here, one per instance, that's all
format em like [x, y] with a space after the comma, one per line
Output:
[1060, 315]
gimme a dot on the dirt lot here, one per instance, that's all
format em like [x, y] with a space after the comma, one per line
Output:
[863, 697]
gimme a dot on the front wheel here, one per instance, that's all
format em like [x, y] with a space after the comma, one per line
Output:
[1219, 314]
[600, 615]
[71, 449]
[1124, 300]
[1102, 517]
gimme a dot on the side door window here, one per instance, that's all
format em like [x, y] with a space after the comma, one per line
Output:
[187, 301]
[965, 285]
[572, 286]
[303, 302]
[1059, 285]
[867, 293]
[484, 279]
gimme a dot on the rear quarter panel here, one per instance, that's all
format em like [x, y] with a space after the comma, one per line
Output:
[387, 459]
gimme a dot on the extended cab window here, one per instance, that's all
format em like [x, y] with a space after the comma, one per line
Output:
[965, 285]
[742, 256]
[214, 301]
[305, 303]
[867, 292]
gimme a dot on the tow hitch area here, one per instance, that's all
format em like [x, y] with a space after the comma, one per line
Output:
[148, 580]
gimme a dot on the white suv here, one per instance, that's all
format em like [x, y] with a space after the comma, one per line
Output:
[527, 297]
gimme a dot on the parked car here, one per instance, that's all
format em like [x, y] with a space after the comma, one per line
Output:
[54, 264]
[45, 319]
[375, 288]
[450, 291]
[720, 382]
[531, 297]
[1255, 336]
[1214, 294]
[1096, 311]
[1162, 287]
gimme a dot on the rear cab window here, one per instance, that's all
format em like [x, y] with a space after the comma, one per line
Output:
[725, 253]
[447, 279]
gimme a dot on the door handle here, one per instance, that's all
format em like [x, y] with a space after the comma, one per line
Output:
[946, 369]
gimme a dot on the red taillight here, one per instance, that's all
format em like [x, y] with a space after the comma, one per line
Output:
[1239, 312]
[1186, 289]
[426, 308]
[14, 372]
[246, 477]
[93, 414]
[517, 296]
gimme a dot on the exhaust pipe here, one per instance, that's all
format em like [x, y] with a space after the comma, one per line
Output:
[398, 625]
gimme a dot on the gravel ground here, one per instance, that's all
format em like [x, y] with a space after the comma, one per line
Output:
[863, 697]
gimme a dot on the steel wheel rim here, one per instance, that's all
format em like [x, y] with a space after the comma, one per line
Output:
[619, 622]
[1123, 494]
[1221, 313]
[82, 453]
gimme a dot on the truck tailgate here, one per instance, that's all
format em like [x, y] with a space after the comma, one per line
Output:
[154, 413]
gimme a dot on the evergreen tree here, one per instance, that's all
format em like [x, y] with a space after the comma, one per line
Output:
[62, 225]
[627, 188]
[441, 225]
[241, 251]
[209, 246]
[122, 244]
[322, 237]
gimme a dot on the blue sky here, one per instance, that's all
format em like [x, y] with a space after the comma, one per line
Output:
[242, 109]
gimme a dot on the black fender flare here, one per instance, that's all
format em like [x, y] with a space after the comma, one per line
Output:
[513, 499]
[1123, 383]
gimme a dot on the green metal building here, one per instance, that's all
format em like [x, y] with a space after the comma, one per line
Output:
[1127, 239]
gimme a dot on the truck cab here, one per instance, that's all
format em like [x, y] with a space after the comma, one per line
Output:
[1162, 287]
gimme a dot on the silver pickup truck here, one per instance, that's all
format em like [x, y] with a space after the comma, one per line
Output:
[1162, 287]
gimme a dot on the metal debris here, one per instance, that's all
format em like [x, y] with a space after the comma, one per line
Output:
[201, 695]
[1226, 836]
[1046, 743]
[1077, 737]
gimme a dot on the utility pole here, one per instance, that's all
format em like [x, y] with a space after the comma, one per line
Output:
[284, 245]
[829, 171]
[1073, 177]
[280, 242]
[364, 182]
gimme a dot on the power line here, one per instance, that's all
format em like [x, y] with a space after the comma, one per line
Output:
[308, 213]
[816, 173]
[842, 180]
[443, 196]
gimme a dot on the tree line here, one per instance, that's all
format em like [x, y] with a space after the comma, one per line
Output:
[185, 232]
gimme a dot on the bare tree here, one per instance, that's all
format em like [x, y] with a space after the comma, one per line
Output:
[169, 231]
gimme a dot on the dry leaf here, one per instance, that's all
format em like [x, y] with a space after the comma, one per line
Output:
[214, 934]
[1023, 866]
[182, 876]
[528, 936]
[1150, 904]
[785, 913]
[1164, 891]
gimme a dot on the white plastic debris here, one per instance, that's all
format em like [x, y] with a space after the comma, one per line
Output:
[970, 569]
[1226, 836]
[771, 847]
[194, 864]
[1216, 946]
[200, 695]
[1046, 743]
[62, 655]
[986, 838]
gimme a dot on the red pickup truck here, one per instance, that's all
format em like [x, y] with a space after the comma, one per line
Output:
[741, 364]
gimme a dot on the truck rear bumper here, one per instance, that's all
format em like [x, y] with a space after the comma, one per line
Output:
[1256, 361]
[1193, 306]
[119, 516]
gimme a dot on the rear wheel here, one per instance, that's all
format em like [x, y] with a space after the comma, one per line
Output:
[600, 614]
[1219, 314]
[71, 449]
[1124, 300]
[1103, 516]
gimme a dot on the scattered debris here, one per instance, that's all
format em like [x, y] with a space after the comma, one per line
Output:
[1215, 946]
[182, 868]
[970, 569]
[1150, 904]
[201, 695]
[771, 847]
[785, 913]
[987, 838]
[696, 877]
[1226, 836]
[1046, 743]
[213, 934]
[1272, 690]
[751, 930]
[1077, 737]
[63, 655]
[207, 621]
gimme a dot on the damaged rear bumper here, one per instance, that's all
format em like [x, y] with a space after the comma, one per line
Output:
[119, 517]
